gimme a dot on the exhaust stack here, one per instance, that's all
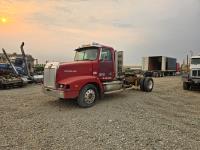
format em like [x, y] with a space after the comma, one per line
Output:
[25, 60]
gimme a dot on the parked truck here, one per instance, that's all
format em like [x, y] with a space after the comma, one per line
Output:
[96, 70]
[159, 66]
[192, 77]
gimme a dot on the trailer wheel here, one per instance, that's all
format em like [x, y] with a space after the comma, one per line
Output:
[148, 84]
[142, 84]
[88, 96]
[186, 86]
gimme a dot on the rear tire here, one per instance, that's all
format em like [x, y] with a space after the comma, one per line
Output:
[142, 84]
[186, 86]
[148, 84]
[88, 96]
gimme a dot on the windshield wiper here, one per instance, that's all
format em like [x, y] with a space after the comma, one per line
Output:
[84, 60]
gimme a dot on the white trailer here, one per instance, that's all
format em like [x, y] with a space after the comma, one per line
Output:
[158, 66]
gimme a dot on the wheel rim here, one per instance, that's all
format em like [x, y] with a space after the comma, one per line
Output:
[90, 96]
[150, 84]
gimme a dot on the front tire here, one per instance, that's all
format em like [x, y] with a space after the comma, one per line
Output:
[88, 96]
[186, 86]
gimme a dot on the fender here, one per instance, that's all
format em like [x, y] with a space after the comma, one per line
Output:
[76, 83]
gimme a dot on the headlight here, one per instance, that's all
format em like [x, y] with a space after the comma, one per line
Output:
[61, 86]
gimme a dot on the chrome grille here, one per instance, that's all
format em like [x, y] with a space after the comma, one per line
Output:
[196, 73]
[50, 75]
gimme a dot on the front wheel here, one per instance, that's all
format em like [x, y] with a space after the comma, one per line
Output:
[186, 86]
[88, 96]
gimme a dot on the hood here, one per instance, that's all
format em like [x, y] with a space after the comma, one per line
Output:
[75, 68]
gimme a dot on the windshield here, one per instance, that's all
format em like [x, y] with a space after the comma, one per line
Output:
[86, 54]
[195, 61]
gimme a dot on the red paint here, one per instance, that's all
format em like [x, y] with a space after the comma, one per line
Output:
[71, 94]
[177, 67]
[79, 73]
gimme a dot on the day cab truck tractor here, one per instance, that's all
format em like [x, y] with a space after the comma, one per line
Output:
[95, 71]
[192, 78]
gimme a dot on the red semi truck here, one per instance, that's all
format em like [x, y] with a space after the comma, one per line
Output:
[96, 70]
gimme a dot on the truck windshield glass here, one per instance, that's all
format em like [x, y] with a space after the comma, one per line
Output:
[195, 61]
[86, 54]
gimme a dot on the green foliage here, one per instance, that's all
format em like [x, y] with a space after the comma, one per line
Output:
[39, 68]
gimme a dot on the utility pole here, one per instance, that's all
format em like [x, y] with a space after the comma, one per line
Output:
[187, 63]
[191, 53]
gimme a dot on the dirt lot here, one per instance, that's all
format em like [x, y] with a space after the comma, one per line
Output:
[167, 118]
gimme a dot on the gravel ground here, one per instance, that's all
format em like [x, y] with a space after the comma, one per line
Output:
[167, 118]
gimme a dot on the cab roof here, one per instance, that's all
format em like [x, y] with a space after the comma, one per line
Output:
[93, 45]
[195, 56]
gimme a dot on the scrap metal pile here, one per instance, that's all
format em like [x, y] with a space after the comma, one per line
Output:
[14, 75]
[9, 80]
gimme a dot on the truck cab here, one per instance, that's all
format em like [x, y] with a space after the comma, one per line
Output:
[192, 78]
[96, 70]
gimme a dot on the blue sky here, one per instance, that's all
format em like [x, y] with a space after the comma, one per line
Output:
[52, 29]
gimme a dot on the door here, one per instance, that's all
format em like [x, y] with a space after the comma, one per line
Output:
[106, 70]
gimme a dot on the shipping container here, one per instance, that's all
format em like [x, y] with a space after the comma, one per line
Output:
[159, 65]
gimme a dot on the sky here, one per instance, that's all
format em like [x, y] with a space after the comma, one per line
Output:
[52, 29]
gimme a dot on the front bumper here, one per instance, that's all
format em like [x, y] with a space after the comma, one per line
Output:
[60, 94]
[196, 80]
[53, 92]
[191, 80]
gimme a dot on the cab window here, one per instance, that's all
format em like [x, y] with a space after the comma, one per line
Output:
[106, 55]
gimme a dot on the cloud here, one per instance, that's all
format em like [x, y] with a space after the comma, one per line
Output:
[140, 28]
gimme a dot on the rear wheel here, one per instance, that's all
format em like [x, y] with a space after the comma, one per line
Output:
[186, 86]
[142, 84]
[88, 96]
[148, 84]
